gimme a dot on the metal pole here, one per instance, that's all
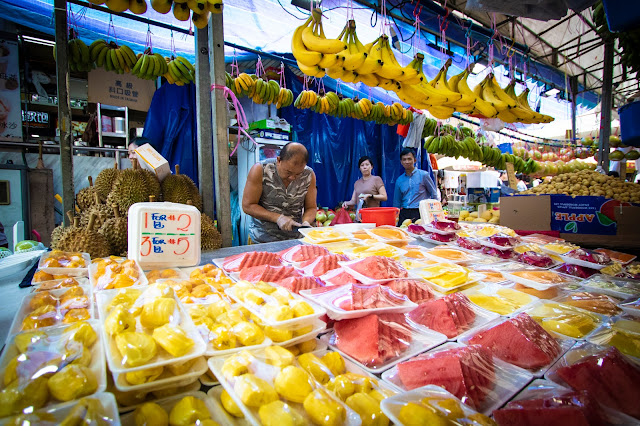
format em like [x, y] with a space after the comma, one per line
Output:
[605, 110]
[573, 86]
[220, 125]
[64, 108]
[203, 109]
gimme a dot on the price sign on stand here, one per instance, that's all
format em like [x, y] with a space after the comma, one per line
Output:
[164, 235]
[511, 174]
[431, 210]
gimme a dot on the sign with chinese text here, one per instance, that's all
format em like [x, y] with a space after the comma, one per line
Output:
[164, 234]
[35, 119]
[124, 90]
[511, 174]
[431, 210]
[10, 108]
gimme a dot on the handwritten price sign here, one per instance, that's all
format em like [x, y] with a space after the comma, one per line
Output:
[164, 234]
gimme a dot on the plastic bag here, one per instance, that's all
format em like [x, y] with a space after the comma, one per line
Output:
[342, 216]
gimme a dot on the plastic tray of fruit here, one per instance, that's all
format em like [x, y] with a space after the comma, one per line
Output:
[272, 382]
[146, 328]
[358, 300]
[586, 258]
[45, 309]
[616, 287]
[438, 239]
[45, 367]
[540, 279]
[108, 274]
[594, 302]
[229, 413]
[430, 405]
[208, 378]
[341, 247]
[291, 336]
[631, 306]
[211, 274]
[129, 401]
[621, 332]
[616, 256]
[162, 377]
[498, 381]
[323, 235]
[195, 291]
[563, 345]
[446, 277]
[499, 241]
[189, 408]
[42, 276]
[160, 274]
[101, 406]
[558, 248]
[375, 249]
[565, 319]
[451, 254]
[62, 262]
[60, 284]
[275, 306]
[389, 235]
[499, 299]
[442, 227]
[375, 270]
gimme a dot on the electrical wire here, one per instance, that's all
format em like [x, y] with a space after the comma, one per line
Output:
[285, 9]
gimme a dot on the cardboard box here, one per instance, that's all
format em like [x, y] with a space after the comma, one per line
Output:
[483, 195]
[584, 220]
[150, 159]
[270, 124]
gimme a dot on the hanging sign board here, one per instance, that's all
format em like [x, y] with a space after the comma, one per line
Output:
[123, 90]
[511, 174]
[10, 107]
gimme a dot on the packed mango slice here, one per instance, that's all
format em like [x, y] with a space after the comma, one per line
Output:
[560, 248]
[450, 253]
[504, 301]
[388, 233]
[376, 249]
[325, 234]
[447, 275]
[565, 319]
[440, 411]
[623, 334]
[543, 277]
[527, 247]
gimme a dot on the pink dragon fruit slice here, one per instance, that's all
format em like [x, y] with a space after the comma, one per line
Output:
[416, 229]
[442, 238]
[536, 259]
[502, 254]
[589, 256]
[445, 225]
[469, 244]
[577, 271]
[503, 240]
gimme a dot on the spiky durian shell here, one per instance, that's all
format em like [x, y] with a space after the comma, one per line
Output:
[85, 198]
[180, 189]
[115, 231]
[102, 212]
[105, 181]
[210, 238]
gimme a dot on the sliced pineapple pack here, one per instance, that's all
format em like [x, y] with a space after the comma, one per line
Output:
[115, 272]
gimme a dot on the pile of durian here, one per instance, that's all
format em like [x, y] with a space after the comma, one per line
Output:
[101, 227]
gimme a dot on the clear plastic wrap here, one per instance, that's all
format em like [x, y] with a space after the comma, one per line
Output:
[213, 275]
[323, 235]
[374, 248]
[539, 279]
[341, 247]
[565, 319]
[241, 261]
[108, 273]
[468, 243]
[389, 235]
[194, 290]
[631, 306]
[358, 300]
[520, 341]
[538, 259]
[50, 366]
[272, 383]
[431, 405]
[620, 332]
[189, 408]
[321, 265]
[499, 241]
[129, 401]
[160, 378]
[470, 373]
[161, 274]
[63, 262]
[559, 248]
[338, 276]
[504, 254]
[42, 276]
[450, 315]
[616, 256]
[591, 301]
[416, 252]
[541, 239]
[417, 291]
[451, 254]
[609, 376]
[446, 277]
[224, 417]
[378, 342]
[375, 269]
[299, 283]
[586, 258]
[302, 253]
[45, 309]
[409, 263]
[499, 299]
[145, 329]
[616, 287]
[60, 284]
[100, 408]
[275, 306]
[438, 239]
[577, 271]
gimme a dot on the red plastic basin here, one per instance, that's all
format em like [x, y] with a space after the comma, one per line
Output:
[380, 215]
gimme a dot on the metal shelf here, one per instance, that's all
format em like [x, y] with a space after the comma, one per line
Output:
[121, 112]
[114, 135]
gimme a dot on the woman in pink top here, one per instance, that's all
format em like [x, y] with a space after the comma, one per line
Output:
[368, 187]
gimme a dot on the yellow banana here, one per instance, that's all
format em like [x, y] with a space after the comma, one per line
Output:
[303, 55]
[390, 68]
[373, 62]
[370, 80]
[440, 83]
[480, 106]
[315, 40]
[336, 72]
[314, 71]
[501, 93]
[357, 54]
[331, 60]
[485, 91]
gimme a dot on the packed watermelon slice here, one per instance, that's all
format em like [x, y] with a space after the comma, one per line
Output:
[569, 409]
[338, 276]
[378, 268]
[323, 264]
[374, 296]
[467, 372]
[609, 377]
[297, 283]
[450, 315]
[519, 341]
[302, 253]
[416, 291]
[373, 339]
[267, 273]
[246, 260]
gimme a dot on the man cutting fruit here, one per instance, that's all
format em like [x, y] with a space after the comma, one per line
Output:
[280, 195]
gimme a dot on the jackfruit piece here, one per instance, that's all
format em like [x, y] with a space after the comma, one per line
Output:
[221, 338]
[278, 313]
[198, 313]
[77, 353]
[147, 375]
[278, 335]
[201, 291]
[24, 340]
[17, 396]
[217, 308]
[293, 383]
[44, 316]
[188, 411]
[87, 411]
[11, 370]
[75, 315]
[314, 366]
[302, 309]
[72, 382]
[119, 320]
[362, 383]
[301, 331]
[413, 414]
[41, 299]
[323, 410]
[125, 298]
[254, 296]
[449, 406]
[158, 312]
[380, 394]
[368, 408]
[135, 348]
[282, 295]
[173, 339]
[150, 414]
[335, 362]
[248, 333]
[265, 288]
[127, 399]
[295, 350]
[278, 356]
[206, 322]
[121, 281]
[230, 318]
[237, 365]
[182, 367]
[82, 332]
[72, 293]
[307, 346]
[253, 391]
[277, 413]
[230, 405]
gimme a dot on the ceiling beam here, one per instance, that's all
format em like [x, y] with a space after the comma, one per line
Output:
[560, 22]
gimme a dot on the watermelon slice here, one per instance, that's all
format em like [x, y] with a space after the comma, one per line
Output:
[338, 277]
[449, 315]
[302, 253]
[246, 260]
[322, 265]
[609, 377]
[379, 268]
[268, 273]
[373, 296]
[297, 283]
[416, 291]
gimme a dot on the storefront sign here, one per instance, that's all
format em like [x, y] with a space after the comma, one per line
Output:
[35, 119]
[124, 90]
[511, 174]
[10, 108]
[584, 214]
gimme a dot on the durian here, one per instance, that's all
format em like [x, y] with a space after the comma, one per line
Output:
[115, 231]
[133, 186]
[180, 188]
[85, 240]
[210, 238]
[102, 212]
[59, 231]
[105, 180]
[85, 198]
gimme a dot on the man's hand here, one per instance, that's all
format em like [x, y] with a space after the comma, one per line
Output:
[286, 223]
[305, 223]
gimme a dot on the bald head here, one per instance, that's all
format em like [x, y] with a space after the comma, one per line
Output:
[294, 152]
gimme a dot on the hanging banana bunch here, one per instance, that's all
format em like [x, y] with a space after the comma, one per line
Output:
[110, 56]
[150, 65]
[259, 90]
[77, 53]
[179, 71]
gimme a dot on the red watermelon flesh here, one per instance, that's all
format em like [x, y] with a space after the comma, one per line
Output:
[609, 378]
[373, 296]
[416, 291]
[436, 315]
[268, 274]
[570, 409]
[303, 253]
[379, 268]
[297, 283]
[463, 307]
[338, 277]
[322, 265]
[249, 259]
[519, 341]
[456, 311]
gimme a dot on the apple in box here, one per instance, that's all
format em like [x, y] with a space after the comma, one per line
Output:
[321, 216]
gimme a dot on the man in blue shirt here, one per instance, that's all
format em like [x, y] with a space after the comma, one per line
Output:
[412, 187]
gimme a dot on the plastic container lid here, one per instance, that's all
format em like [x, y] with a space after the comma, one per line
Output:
[144, 397]
[223, 416]
[631, 306]
[82, 258]
[583, 263]
[377, 234]
[58, 284]
[620, 332]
